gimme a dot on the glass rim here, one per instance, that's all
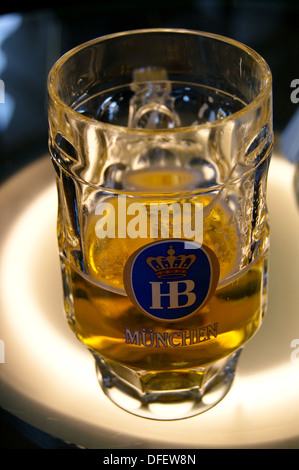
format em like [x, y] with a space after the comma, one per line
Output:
[173, 193]
[253, 104]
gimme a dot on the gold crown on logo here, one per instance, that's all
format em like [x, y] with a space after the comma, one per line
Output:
[171, 266]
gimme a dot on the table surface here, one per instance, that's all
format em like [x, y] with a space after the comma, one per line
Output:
[48, 378]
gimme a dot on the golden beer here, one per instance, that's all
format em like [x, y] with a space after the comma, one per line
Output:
[104, 318]
[161, 141]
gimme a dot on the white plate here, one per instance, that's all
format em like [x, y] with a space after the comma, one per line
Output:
[48, 378]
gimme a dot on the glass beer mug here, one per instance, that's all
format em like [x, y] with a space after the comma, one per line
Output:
[161, 142]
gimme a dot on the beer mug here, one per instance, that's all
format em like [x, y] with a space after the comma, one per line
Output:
[161, 142]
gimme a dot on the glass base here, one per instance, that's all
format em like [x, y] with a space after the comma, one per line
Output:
[167, 395]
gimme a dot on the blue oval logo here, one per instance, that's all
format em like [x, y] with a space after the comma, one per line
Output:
[171, 279]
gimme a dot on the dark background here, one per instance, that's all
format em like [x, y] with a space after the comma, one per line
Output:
[38, 37]
[32, 38]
